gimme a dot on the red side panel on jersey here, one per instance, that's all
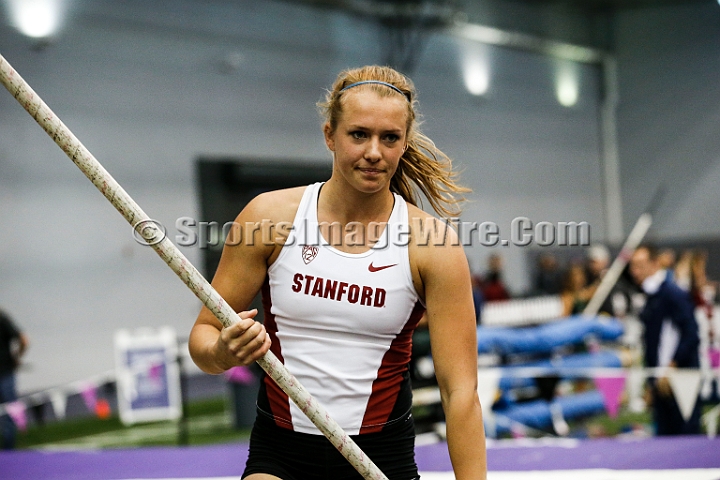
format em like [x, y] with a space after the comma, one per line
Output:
[278, 400]
[386, 386]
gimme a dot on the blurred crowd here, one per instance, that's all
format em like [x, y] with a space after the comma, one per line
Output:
[659, 296]
[576, 280]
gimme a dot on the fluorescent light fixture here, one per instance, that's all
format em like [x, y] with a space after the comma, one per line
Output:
[476, 69]
[477, 78]
[36, 18]
[567, 84]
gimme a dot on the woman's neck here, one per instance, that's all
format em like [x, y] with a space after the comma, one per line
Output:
[340, 204]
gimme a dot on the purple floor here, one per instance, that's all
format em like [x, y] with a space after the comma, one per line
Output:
[228, 460]
[657, 453]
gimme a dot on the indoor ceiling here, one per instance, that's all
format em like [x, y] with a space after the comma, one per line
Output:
[408, 20]
[430, 13]
[613, 4]
[587, 5]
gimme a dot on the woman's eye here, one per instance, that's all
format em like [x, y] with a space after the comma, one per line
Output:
[358, 135]
[392, 138]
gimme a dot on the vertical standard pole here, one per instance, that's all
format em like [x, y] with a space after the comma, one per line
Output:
[609, 147]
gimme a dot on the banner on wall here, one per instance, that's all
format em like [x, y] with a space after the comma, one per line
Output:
[148, 375]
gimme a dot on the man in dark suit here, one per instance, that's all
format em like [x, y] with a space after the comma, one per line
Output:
[671, 338]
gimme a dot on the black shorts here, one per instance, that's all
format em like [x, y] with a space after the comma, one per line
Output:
[292, 455]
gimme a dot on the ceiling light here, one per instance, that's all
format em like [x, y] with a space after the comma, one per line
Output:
[476, 69]
[36, 18]
[567, 84]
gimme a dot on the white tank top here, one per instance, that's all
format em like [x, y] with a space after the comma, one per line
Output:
[342, 323]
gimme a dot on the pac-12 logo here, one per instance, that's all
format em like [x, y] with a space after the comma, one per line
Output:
[309, 252]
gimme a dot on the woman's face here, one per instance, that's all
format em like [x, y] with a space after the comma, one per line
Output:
[369, 139]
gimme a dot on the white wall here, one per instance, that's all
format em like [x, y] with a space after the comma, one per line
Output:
[669, 116]
[141, 87]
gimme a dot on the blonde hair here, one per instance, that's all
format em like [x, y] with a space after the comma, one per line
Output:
[422, 166]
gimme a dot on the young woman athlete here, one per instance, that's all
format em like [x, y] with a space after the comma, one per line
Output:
[345, 287]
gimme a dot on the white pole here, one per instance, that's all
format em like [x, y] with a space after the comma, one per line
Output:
[156, 238]
[610, 156]
[611, 276]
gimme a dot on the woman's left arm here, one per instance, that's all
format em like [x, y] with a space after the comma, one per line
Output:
[447, 290]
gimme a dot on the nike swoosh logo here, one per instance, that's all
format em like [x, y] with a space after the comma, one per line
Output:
[377, 269]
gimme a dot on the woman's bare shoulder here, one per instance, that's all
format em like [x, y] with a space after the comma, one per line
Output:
[426, 228]
[274, 206]
[415, 213]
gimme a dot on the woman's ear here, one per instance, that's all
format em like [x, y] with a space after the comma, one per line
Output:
[329, 140]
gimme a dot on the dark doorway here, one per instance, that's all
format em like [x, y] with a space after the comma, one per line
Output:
[226, 185]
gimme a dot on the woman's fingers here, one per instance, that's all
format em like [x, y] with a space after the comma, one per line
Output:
[263, 345]
[246, 340]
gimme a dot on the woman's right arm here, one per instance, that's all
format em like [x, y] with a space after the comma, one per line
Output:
[239, 277]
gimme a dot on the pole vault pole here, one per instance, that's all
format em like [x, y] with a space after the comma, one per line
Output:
[642, 225]
[613, 274]
[156, 238]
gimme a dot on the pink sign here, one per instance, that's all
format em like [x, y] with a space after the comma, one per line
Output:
[714, 357]
[16, 411]
[611, 389]
[89, 395]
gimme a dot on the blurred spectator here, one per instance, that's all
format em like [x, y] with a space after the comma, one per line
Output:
[702, 290]
[670, 338]
[493, 288]
[549, 277]
[575, 294]
[13, 344]
[478, 298]
[621, 295]
[618, 299]
[666, 259]
[598, 260]
[682, 275]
